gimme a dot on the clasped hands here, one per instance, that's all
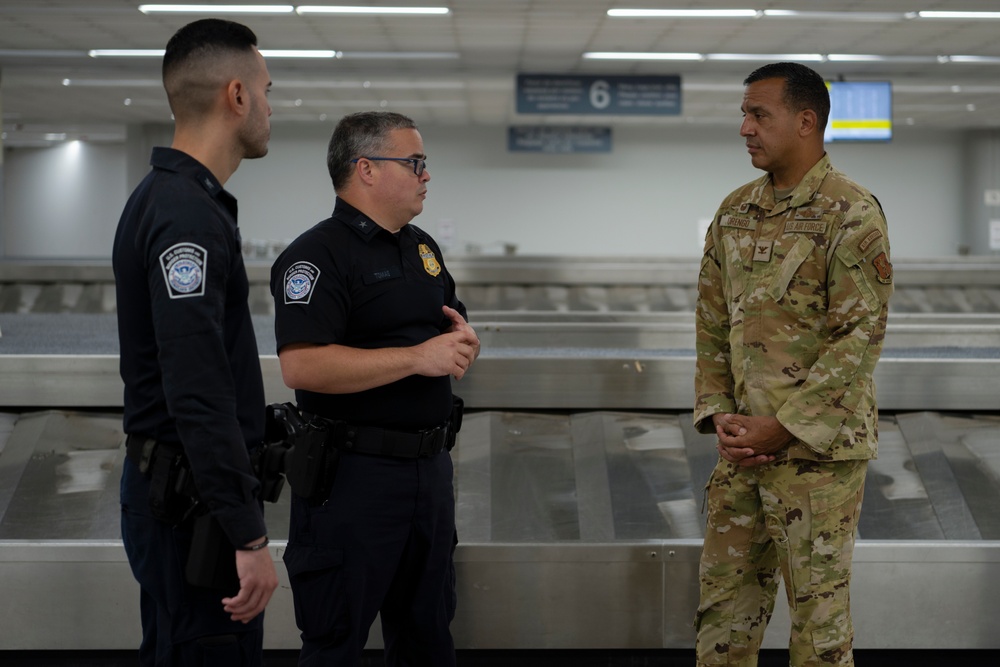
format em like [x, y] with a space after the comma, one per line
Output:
[750, 441]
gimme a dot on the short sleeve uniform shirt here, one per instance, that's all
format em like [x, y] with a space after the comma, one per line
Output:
[349, 282]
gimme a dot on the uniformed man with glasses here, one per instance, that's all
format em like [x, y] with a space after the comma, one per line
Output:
[370, 333]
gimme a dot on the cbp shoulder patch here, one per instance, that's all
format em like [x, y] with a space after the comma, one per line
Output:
[300, 280]
[183, 267]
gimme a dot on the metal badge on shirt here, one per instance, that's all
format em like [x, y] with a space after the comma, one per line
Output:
[300, 280]
[183, 267]
[431, 264]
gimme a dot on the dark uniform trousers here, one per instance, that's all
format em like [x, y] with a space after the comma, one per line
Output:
[183, 625]
[383, 542]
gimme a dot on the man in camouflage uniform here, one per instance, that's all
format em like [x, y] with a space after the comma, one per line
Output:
[791, 315]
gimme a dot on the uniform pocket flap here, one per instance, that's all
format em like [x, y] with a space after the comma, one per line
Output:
[793, 260]
[303, 559]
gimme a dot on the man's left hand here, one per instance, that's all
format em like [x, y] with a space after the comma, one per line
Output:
[458, 323]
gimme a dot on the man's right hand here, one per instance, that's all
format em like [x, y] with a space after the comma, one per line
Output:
[258, 580]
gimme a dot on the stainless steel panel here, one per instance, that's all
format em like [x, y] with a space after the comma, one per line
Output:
[60, 380]
[80, 595]
[535, 596]
[559, 596]
[577, 531]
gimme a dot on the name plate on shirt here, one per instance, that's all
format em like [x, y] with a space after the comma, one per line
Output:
[738, 222]
[810, 226]
[379, 275]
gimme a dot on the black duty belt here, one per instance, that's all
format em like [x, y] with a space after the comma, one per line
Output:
[386, 442]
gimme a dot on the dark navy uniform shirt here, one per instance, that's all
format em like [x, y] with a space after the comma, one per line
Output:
[189, 357]
[350, 282]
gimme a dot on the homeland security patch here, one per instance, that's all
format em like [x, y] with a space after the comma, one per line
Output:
[300, 279]
[183, 267]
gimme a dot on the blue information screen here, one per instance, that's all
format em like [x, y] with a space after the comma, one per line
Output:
[599, 95]
[859, 111]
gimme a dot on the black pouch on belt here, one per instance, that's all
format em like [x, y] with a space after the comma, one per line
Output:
[171, 495]
[212, 558]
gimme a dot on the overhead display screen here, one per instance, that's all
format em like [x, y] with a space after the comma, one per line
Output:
[859, 111]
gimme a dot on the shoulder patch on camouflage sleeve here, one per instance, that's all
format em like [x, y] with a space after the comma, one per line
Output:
[883, 268]
[870, 238]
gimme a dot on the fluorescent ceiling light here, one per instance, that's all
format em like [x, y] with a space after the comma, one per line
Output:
[959, 15]
[158, 53]
[683, 13]
[216, 9]
[870, 58]
[834, 16]
[615, 55]
[300, 53]
[400, 55]
[986, 60]
[346, 9]
[754, 57]
[113, 83]
[125, 53]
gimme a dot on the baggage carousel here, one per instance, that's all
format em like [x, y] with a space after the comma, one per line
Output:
[579, 477]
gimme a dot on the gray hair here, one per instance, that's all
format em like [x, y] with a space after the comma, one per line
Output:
[360, 135]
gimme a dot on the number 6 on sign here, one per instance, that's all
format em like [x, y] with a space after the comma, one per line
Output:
[600, 94]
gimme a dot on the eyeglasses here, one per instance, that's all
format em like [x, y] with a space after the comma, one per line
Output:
[418, 164]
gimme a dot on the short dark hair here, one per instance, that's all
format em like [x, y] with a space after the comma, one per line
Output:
[359, 135]
[804, 88]
[190, 63]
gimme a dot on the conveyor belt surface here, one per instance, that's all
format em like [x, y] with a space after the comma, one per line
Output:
[576, 530]
[578, 475]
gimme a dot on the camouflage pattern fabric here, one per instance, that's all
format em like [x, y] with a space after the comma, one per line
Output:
[793, 299]
[796, 517]
[791, 312]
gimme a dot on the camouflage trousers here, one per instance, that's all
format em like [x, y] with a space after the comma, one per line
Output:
[794, 516]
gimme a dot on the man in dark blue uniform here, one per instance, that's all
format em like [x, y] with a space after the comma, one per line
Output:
[369, 334]
[194, 398]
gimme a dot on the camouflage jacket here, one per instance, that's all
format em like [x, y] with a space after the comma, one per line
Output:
[792, 304]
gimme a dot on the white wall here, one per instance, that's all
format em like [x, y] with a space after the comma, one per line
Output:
[644, 198]
[62, 201]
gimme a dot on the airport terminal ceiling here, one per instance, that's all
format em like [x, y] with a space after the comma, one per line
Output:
[459, 67]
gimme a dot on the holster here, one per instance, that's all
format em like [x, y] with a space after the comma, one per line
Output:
[307, 458]
[172, 494]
